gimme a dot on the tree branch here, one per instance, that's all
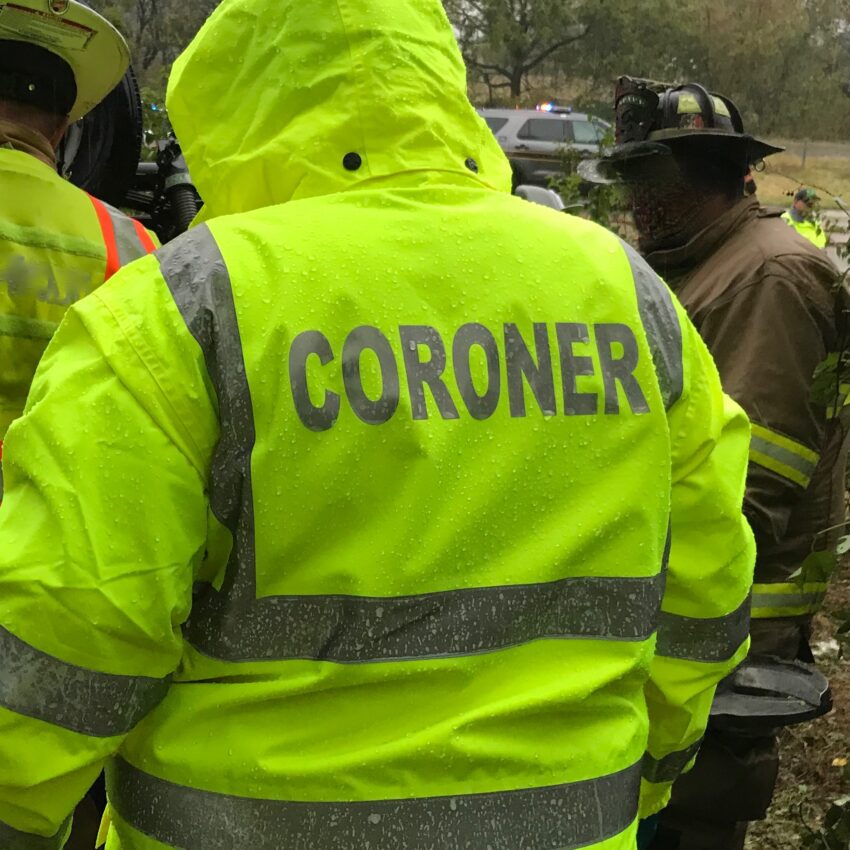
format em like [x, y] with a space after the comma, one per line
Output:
[545, 54]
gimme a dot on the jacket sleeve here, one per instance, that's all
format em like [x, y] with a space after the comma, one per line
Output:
[767, 342]
[704, 620]
[768, 336]
[103, 521]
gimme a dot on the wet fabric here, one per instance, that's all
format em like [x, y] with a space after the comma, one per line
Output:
[733, 780]
[376, 491]
[52, 253]
[765, 303]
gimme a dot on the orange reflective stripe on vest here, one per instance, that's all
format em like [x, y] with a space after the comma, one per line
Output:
[108, 231]
[124, 237]
[144, 237]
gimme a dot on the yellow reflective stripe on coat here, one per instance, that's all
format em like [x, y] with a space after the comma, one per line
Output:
[787, 599]
[782, 455]
[26, 328]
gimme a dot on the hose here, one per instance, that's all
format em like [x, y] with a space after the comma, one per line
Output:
[184, 203]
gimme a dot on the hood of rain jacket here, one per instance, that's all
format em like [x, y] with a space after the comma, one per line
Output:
[267, 111]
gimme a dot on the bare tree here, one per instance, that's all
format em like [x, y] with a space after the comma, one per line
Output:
[504, 40]
[156, 29]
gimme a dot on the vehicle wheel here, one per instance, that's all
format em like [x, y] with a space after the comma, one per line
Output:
[101, 152]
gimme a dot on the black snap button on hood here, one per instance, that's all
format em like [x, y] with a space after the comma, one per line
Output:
[352, 161]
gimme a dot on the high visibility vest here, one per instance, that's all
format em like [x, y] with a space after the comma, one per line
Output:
[808, 229]
[428, 513]
[57, 245]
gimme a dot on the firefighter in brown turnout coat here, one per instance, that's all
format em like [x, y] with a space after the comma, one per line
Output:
[767, 304]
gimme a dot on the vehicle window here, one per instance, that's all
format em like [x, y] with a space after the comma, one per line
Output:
[494, 123]
[586, 133]
[544, 130]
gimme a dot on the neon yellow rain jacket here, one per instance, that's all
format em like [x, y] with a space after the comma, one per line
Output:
[57, 245]
[360, 534]
[808, 229]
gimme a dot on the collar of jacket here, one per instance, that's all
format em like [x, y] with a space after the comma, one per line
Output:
[674, 263]
[21, 138]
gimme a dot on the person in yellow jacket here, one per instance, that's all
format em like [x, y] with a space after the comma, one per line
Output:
[803, 218]
[353, 517]
[58, 60]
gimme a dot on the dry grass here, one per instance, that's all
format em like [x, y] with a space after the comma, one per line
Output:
[784, 174]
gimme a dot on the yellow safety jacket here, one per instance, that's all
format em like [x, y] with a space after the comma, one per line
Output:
[808, 229]
[57, 244]
[406, 514]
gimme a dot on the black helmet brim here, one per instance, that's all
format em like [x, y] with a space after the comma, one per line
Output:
[616, 166]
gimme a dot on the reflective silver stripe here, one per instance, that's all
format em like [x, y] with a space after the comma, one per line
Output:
[707, 639]
[565, 817]
[811, 601]
[126, 238]
[197, 277]
[45, 688]
[348, 629]
[232, 624]
[667, 769]
[13, 839]
[786, 457]
[661, 323]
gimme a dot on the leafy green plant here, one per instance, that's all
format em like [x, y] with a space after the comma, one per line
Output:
[602, 203]
[155, 118]
[831, 380]
[820, 565]
[835, 832]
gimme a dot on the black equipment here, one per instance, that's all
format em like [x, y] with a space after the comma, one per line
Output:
[766, 694]
[102, 154]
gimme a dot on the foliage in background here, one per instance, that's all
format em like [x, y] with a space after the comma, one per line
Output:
[835, 833]
[602, 203]
[785, 63]
[157, 31]
[157, 125]
[502, 42]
